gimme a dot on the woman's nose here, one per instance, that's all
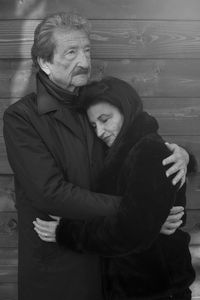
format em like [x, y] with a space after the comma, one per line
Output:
[99, 131]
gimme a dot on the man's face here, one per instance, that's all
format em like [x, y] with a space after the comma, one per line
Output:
[71, 65]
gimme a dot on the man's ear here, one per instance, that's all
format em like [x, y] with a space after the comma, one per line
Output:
[44, 65]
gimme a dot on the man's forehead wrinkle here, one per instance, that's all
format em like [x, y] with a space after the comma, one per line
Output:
[72, 42]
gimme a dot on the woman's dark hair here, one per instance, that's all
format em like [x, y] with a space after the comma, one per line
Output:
[112, 90]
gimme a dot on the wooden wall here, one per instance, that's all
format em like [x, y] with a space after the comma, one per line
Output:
[153, 44]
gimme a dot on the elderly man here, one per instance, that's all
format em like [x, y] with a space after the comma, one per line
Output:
[56, 158]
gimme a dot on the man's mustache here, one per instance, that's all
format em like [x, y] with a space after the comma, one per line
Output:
[81, 71]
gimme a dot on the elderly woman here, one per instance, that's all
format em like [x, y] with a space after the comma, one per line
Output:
[138, 262]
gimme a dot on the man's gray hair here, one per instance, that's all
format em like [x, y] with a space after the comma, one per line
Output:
[44, 42]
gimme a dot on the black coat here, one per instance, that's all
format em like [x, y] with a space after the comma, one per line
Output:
[143, 263]
[51, 150]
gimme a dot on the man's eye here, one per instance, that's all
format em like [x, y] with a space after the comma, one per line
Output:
[87, 50]
[71, 52]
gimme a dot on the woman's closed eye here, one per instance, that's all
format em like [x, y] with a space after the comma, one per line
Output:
[104, 118]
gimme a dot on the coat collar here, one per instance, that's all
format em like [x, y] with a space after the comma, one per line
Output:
[46, 103]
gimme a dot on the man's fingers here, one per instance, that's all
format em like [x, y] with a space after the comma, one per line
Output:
[168, 160]
[171, 158]
[179, 176]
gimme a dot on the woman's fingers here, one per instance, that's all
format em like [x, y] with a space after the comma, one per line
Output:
[44, 233]
[170, 228]
[55, 217]
[174, 225]
[45, 227]
[47, 239]
[176, 209]
[174, 218]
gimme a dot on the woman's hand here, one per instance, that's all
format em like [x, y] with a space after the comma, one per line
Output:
[173, 221]
[46, 230]
[180, 159]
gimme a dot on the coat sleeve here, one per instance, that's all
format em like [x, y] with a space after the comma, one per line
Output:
[145, 205]
[41, 179]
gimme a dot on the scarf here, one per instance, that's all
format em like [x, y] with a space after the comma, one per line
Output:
[65, 97]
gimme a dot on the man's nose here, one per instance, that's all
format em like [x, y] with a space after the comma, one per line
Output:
[84, 60]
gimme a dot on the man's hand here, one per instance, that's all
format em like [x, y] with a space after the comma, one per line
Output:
[173, 221]
[180, 159]
[46, 230]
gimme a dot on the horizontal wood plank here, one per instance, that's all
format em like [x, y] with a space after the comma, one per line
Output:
[151, 78]
[8, 291]
[8, 229]
[8, 273]
[7, 195]
[193, 192]
[114, 39]
[8, 256]
[193, 226]
[112, 9]
[4, 165]
[195, 252]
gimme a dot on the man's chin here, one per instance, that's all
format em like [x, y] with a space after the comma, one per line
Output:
[80, 80]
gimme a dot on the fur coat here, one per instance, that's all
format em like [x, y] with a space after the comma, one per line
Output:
[138, 262]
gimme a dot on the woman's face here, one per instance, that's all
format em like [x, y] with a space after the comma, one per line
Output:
[106, 120]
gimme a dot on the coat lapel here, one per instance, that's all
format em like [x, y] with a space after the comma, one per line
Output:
[71, 121]
[49, 104]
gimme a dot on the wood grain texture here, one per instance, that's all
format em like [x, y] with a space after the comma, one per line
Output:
[193, 192]
[8, 256]
[112, 9]
[7, 194]
[114, 39]
[8, 291]
[193, 226]
[195, 252]
[8, 229]
[151, 78]
[8, 273]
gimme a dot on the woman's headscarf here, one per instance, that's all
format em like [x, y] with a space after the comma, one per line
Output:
[118, 93]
